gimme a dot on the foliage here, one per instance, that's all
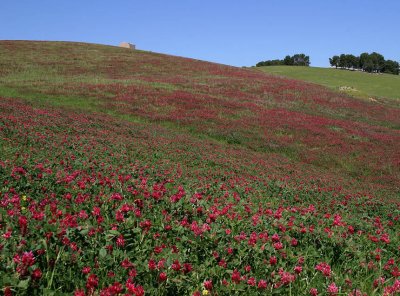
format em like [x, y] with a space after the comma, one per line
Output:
[295, 60]
[373, 62]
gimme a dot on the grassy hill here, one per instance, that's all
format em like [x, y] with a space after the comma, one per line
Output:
[359, 84]
[127, 171]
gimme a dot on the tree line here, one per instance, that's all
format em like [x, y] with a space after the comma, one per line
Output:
[299, 59]
[368, 62]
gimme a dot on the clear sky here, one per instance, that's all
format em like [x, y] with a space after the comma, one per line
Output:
[234, 32]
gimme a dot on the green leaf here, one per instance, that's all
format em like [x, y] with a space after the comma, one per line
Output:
[84, 231]
[114, 232]
[23, 284]
[103, 252]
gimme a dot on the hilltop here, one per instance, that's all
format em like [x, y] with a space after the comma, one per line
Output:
[354, 83]
[131, 172]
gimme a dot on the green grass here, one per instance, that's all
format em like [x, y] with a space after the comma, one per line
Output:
[364, 85]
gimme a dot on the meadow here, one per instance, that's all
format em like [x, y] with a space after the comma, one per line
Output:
[130, 173]
[354, 83]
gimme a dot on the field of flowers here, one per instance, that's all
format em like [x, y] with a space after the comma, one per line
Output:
[133, 173]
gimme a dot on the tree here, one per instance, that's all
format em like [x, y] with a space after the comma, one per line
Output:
[297, 60]
[351, 61]
[288, 60]
[391, 67]
[378, 62]
[301, 59]
[334, 61]
[342, 61]
[364, 57]
[374, 62]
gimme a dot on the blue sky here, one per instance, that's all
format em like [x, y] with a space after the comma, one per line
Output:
[234, 32]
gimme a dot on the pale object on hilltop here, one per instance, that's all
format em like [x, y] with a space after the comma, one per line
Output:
[127, 45]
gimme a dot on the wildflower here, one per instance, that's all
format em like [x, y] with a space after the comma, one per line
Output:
[79, 293]
[127, 264]
[152, 264]
[379, 281]
[36, 274]
[208, 285]
[332, 289]
[324, 268]
[262, 284]
[92, 282]
[251, 281]
[176, 265]
[205, 292]
[286, 277]
[187, 267]
[132, 273]
[120, 241]
[133, 289]
[236, 277]
[7, 291]
[385, 238]
[7, 235]
[28, 258]
[86, 270]
[161, 263]
[278, 246]
[162, 277]
[275, 237]
[356, 293]
[23, 224]
[313, 292]
[298, 269]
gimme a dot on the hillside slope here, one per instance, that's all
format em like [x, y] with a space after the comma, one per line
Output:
[133, 173]
[358, 84]
[289, 126]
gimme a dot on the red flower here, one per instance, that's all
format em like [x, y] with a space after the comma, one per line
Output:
[7, 291]
[176, 265]
[79, 293]
[120, 241]
[262, 284]
[152, 264]
[23, 222]
[236, 276]
[92, 281]
[332, 289]
[251, 281]
[324, 268]
[208, 285]
[36, 274]
[298, 269]
[28, 259]
[162, 277]
[187, 267]
[126, 264]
